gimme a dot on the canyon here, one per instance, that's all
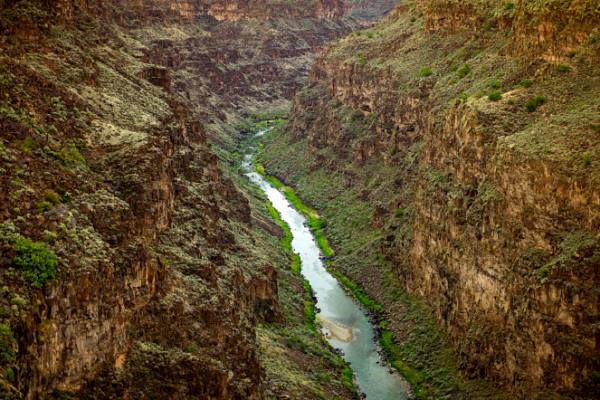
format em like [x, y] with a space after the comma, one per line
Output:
[451, 148]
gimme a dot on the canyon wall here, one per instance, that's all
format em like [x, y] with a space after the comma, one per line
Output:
[131, 264]
[464, 135]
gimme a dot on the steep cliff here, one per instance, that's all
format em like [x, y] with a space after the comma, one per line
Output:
[453, 149]
[131, 265]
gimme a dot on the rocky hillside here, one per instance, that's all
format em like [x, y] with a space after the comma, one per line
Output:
[131, 265]
[454, 150]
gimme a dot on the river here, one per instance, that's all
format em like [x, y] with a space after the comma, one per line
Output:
[342, 320]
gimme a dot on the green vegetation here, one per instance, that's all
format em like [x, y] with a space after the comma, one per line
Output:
[425, 72]
[348, 378]
[496, 95]
[394, 355]
[310, 313]
[357, 291]
[563, 68]
[463, 71]
[533, 103]
[52, 196]
[495, 84]
[7, 342]
[36, 262]
[44, 206]
[191, 349]
[526, 83]
[286, 240]
[70, 155]
[315, 221]
[310, 310]
[60, 110]
[28, 145]
[361, 59]
[587, 159]
[10, 375]
[571, 245]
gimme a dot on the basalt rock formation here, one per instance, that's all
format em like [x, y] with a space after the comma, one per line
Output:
[453, 149]
[131, 265]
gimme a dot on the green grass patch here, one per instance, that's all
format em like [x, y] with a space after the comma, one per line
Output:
[425, 72]
[348, 378]
[286, 240]
[357, 291]
[414, 377]
[310, 310]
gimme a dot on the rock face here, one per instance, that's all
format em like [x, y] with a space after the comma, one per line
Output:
[105, 164]
[487, 208]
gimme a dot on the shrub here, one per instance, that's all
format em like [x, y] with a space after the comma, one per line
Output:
[7, 340]
[425, 72]
[526, 83]
[533, 103]
[509, 6]
[587, 159]
[362, 60]
[464, 71]
[28, 145]
[563, 68]
[495, 95]
[60, 110]
[52, 196]
[44, 206]
[10, 375]
[36, 262]
[495, 84]
[191, 349]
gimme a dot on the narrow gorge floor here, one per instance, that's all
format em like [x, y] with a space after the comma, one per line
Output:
[342, 320]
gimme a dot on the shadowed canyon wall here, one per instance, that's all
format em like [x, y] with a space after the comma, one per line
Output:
[148, 268]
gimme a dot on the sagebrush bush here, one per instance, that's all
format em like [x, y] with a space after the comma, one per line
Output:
[495, 84]
[526, 83]
[495, 95]
[533, 103]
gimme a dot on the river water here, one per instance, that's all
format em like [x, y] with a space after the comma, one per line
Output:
[343, 321]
